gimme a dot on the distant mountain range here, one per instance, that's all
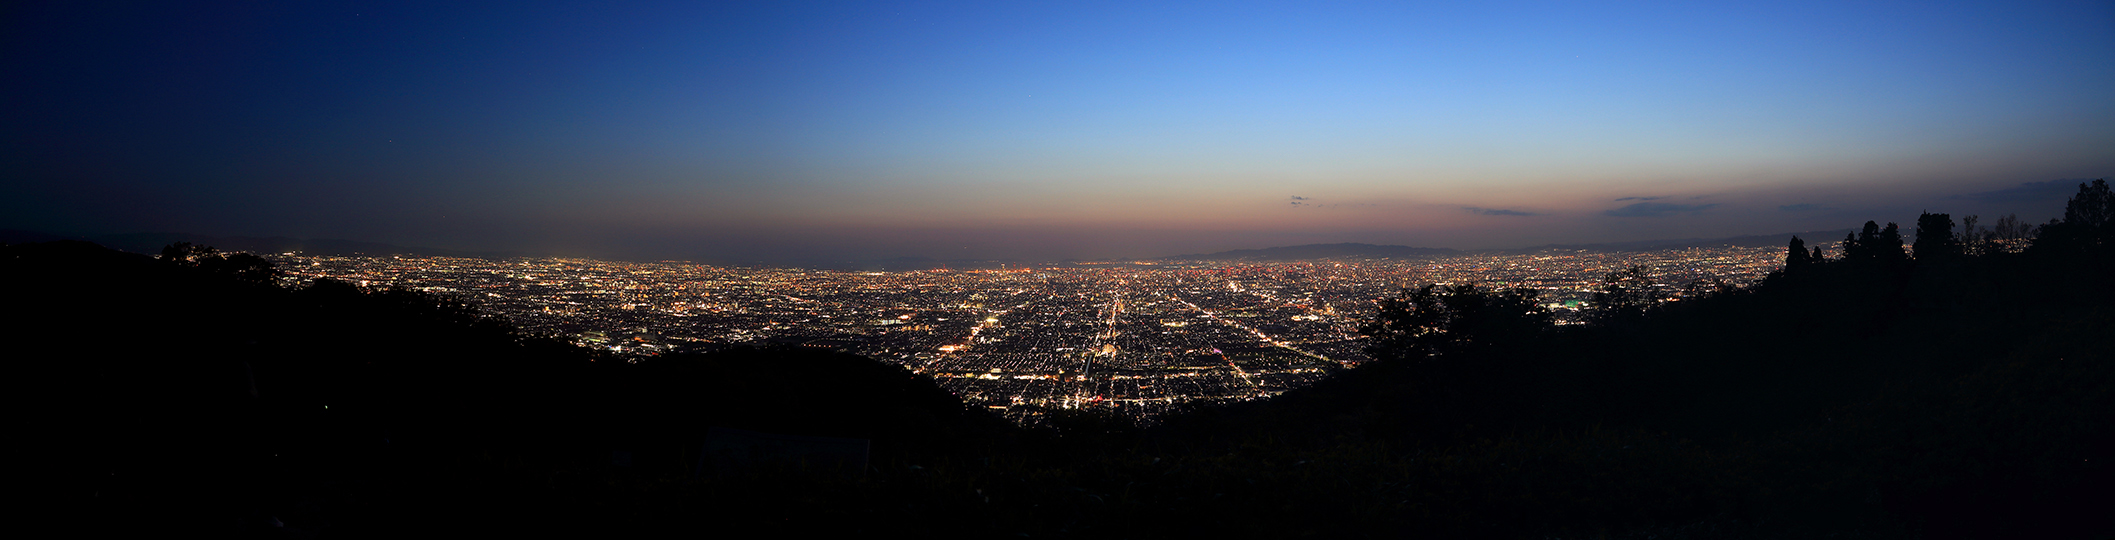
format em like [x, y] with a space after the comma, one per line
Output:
[151, 243]
[1812, 238]
[1371, 251]
[1321, 251]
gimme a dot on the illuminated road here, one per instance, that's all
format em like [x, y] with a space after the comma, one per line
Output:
[1259, 334]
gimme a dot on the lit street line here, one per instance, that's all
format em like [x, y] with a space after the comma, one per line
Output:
[1259, 334]
[1082, 341]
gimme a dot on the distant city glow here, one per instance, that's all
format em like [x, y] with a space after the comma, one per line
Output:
[1147, 339]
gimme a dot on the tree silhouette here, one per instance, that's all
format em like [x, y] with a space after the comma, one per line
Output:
[1796, 255]
[1973, 238]
[2006, 236]
[1935, 238]
[1889, 249]
[1861, 245]
[1437, 320]
[2009, 234]
[1625, 295]
[2093, 207]
[2088, 224]
[1875, 244]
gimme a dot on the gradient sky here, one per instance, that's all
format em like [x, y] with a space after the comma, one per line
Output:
[721, 131]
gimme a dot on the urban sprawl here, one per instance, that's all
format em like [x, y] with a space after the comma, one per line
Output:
[1137, 338]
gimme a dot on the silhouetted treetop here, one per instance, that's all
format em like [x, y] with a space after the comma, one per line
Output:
[1935, 238]
[1438, 320]
[2093, 207]
[1625, 295]
[1798, 258]
[2088, 225]
[1875, 244]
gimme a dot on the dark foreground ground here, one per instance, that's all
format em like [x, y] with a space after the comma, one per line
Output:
[1961, 396]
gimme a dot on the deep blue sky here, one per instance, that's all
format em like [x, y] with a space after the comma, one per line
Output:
[722, 131]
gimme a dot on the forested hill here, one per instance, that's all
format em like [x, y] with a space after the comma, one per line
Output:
[1950, 387]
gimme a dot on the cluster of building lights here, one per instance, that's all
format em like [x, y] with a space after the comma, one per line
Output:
[1138, 338]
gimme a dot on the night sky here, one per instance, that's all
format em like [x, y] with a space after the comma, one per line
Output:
[722, 131]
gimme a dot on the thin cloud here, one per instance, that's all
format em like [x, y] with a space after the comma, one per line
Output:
[1297, 201]
[2053, 190]
[1497, 211]
[1639, 199]
[1653, 209]
[1801, 207]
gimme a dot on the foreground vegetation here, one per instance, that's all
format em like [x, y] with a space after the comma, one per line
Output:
[1962, 392]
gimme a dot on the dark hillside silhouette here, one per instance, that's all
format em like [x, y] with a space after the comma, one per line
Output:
[1960, 390]
[189, 392]
[1947, 395]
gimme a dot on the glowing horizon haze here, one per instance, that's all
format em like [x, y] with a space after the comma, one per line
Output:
[1043, 130]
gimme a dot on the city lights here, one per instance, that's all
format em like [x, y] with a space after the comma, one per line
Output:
[1146, 338]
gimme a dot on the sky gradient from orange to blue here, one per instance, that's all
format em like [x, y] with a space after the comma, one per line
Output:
[1043, 130]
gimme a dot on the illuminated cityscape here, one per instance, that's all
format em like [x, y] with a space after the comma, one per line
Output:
[1141, 338]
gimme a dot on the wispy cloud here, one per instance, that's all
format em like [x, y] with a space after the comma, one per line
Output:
[1653, 209]
[1297, 201]
[1801, 207]
[1497, 211]
[2053, 190]
[1639, 199]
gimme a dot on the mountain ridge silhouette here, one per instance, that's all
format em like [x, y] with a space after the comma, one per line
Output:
[151, 242]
